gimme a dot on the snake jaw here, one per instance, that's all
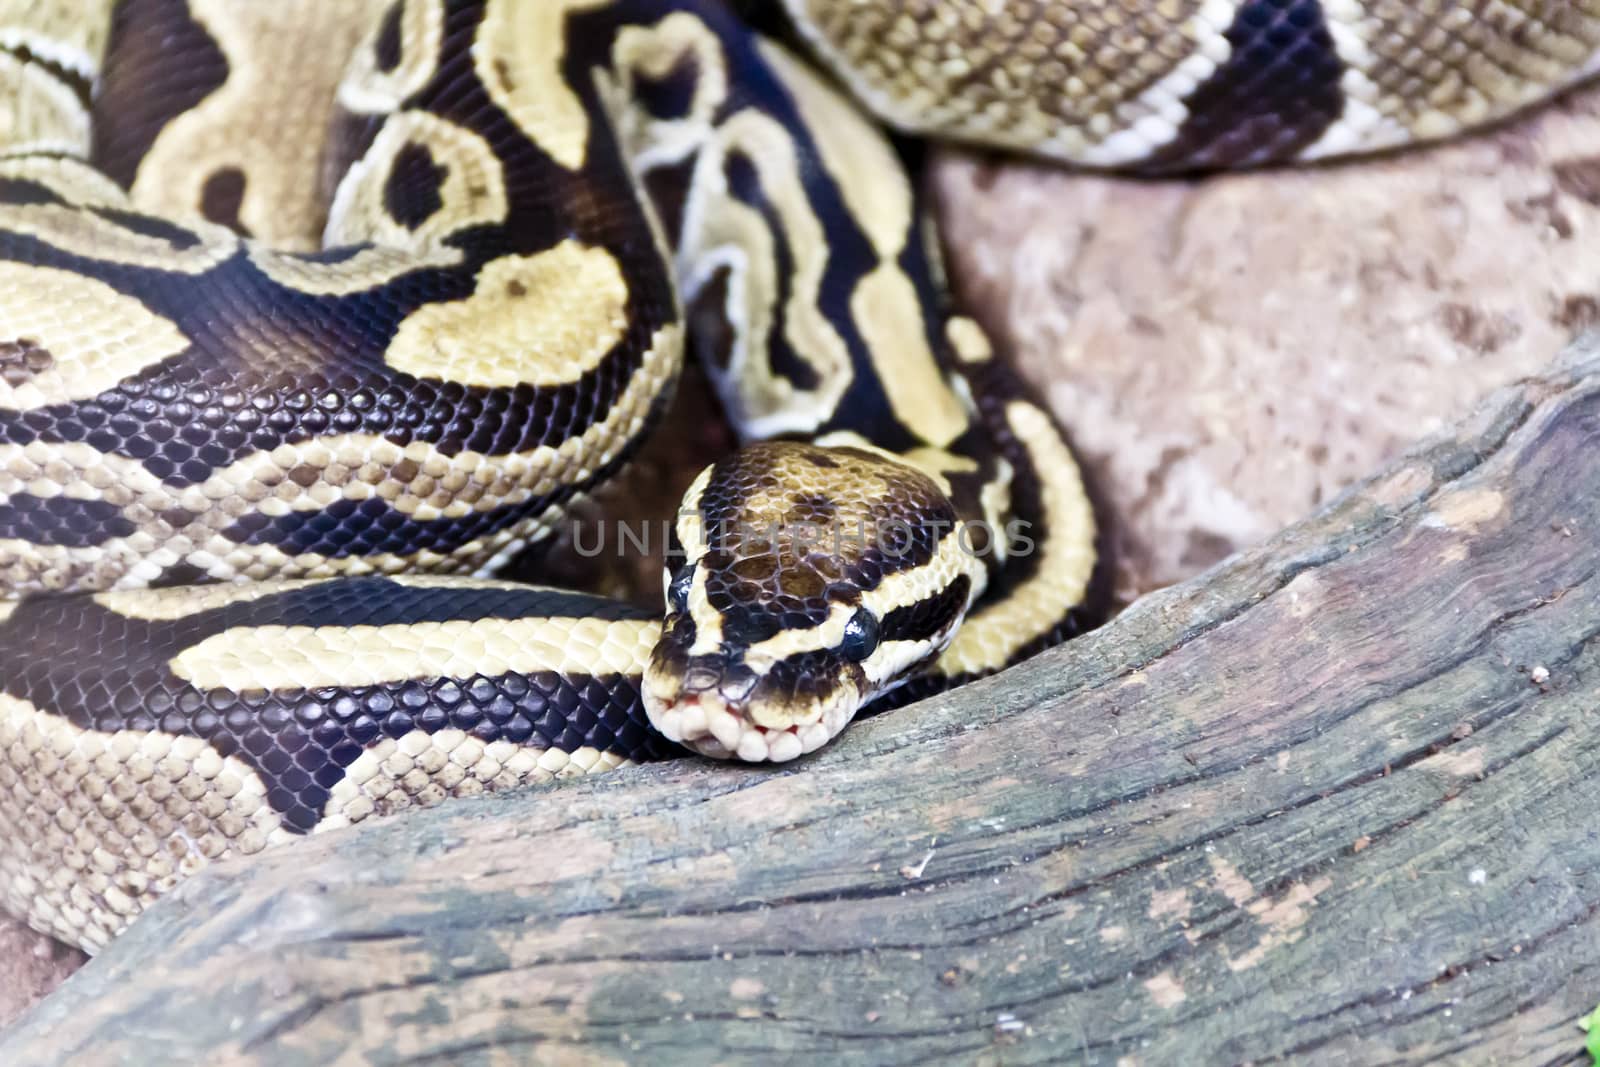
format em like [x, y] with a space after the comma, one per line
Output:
[718, 729]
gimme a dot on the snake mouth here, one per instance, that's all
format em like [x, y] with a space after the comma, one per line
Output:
[712, 727]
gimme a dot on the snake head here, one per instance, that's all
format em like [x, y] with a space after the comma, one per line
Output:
[811, 580]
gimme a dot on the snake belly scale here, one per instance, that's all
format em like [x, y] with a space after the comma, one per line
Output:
[312, 315]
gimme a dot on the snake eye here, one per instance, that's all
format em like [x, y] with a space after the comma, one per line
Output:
[678, 589]
[860, 636]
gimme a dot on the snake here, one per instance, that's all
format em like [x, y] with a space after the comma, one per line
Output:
[314, 316]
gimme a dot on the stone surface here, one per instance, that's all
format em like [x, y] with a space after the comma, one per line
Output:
[1330, 803]
[1231, 352]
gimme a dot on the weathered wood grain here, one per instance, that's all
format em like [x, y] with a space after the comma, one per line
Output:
[1334, 799]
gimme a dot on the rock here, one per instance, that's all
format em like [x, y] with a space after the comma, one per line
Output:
[1233, 351]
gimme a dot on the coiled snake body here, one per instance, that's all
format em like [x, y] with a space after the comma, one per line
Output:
[310, 311]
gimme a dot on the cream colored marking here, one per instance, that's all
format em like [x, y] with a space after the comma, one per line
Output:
[419, 769]
[39, 112]
[653, 52]
[1152, 120]
[874, 184]
[368, 90]
[165, 605]
[416, 480]
[691, 529]
[544, 320]
[991, 636]
[6, 608]
[936, 463]
[72, 36]
[369, 268]
[133, 562]
[967, 339]
[695, 537]
[472, 192]
[85, 233]
[100, 824]
[950, 561]
[1362, 123]
[517, 56]
[89, 335]
[707, 619]
[722, 232]
[453, 581]
[70, 179]
[885, 304]
[292, 657]
[888, 312]
[995, 500]
[268, 125]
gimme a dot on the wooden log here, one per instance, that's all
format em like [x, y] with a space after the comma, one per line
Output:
[1334, 799]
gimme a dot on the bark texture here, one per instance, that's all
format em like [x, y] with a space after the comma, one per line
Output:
[1334, 799]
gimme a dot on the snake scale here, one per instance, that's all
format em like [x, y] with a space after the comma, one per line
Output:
[313, 315]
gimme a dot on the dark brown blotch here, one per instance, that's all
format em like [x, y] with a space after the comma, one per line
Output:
[802, 583]
[386, 49]
[305, 475]
[756, 568]
[411, 195]
[222, 197]
[160, 62]
[23, 359]
[671, 95]
[502, 71]
[1477, 330]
